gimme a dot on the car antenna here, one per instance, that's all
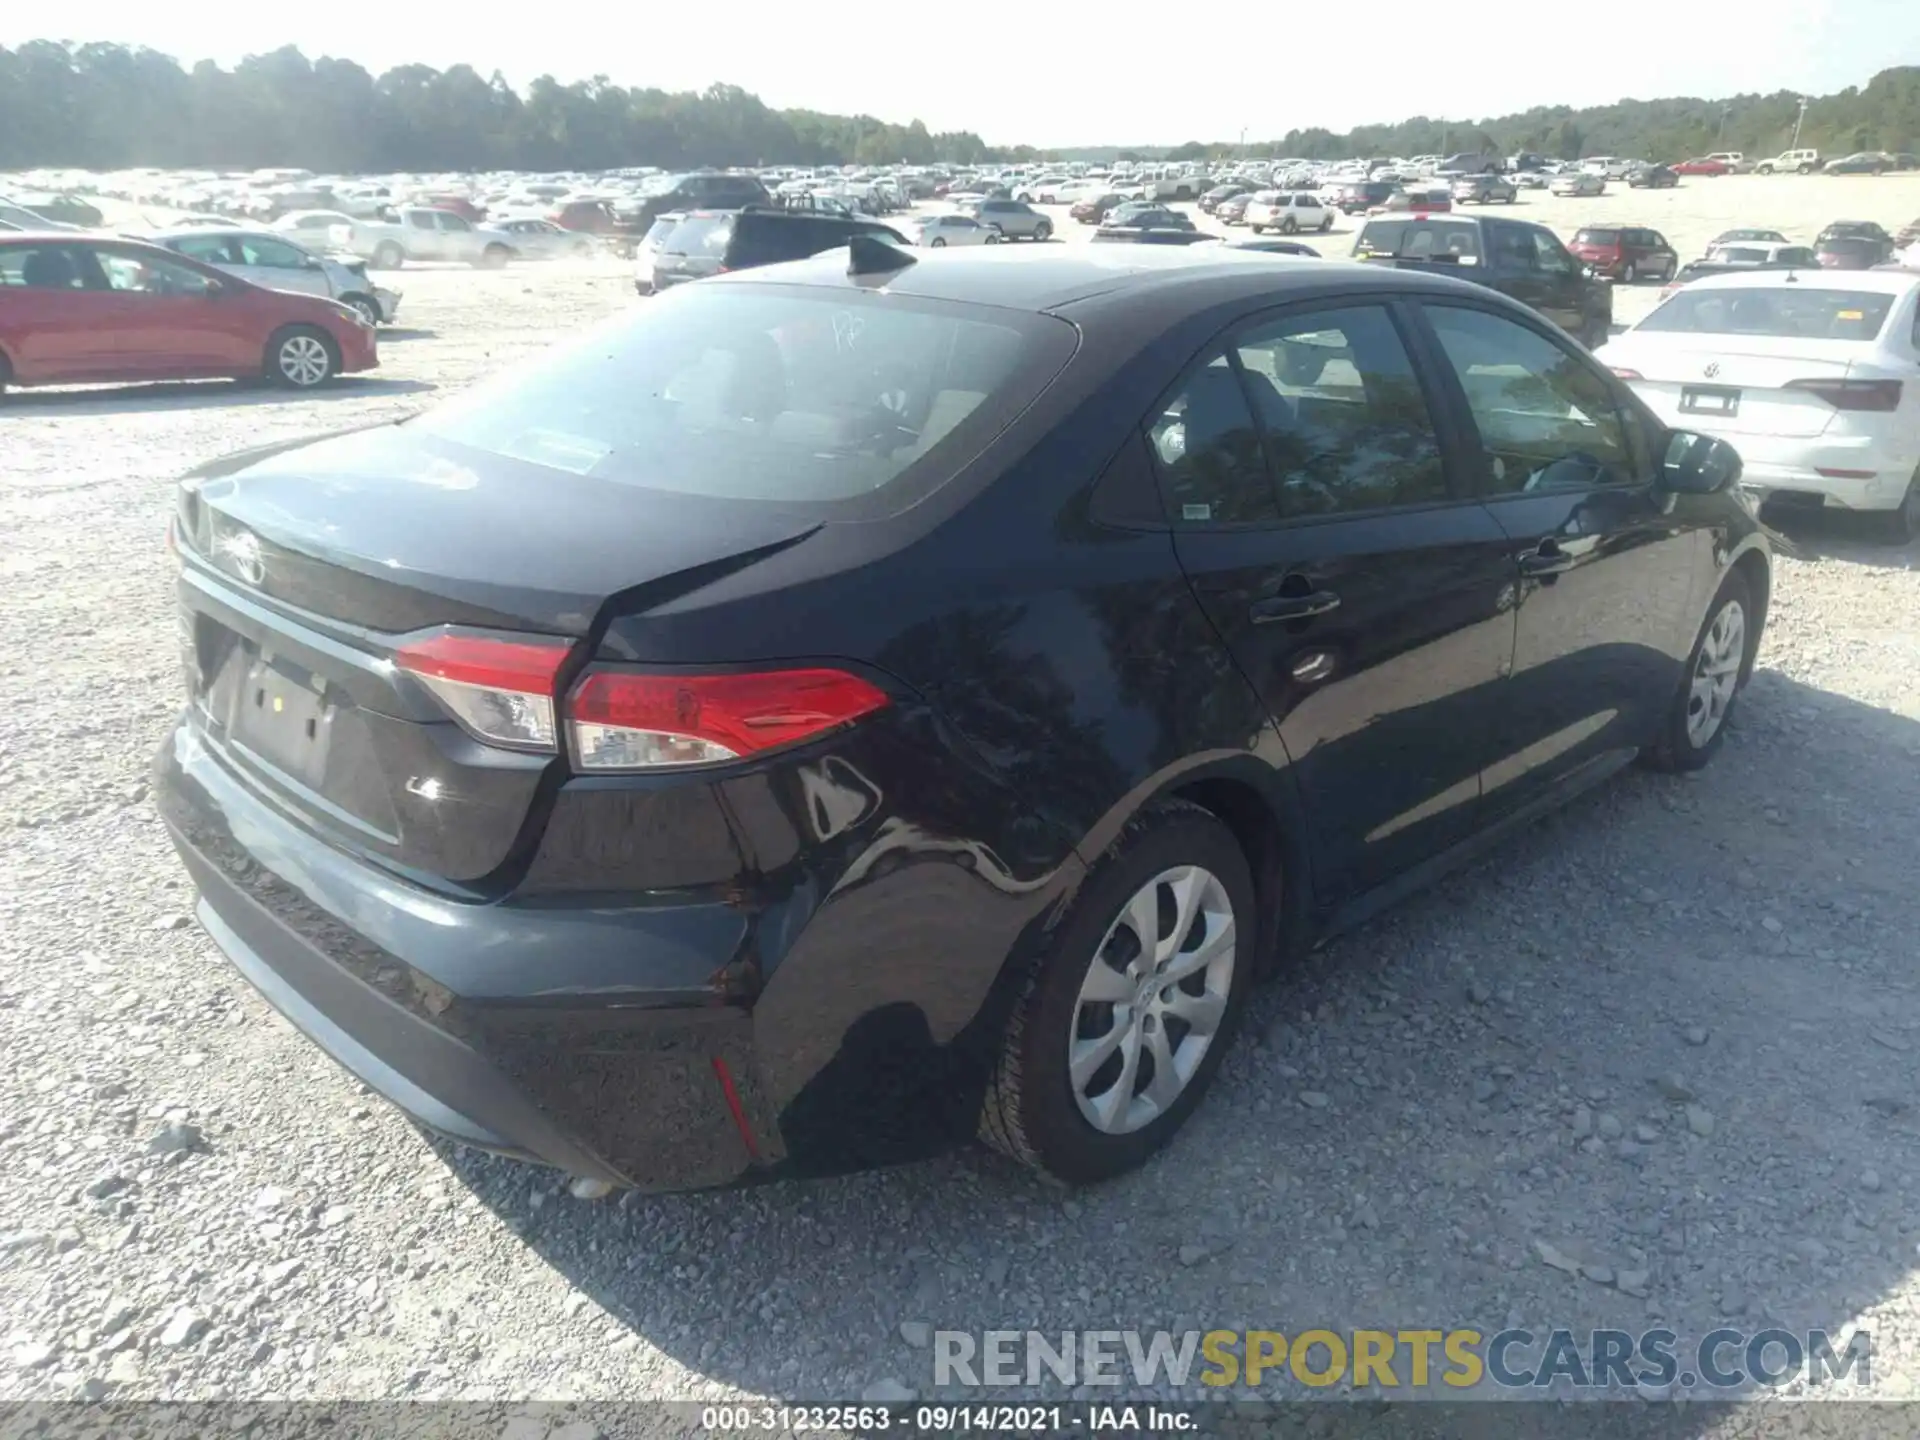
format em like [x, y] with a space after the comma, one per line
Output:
[874, 255]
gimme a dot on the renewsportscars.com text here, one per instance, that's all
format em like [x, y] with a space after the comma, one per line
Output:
[1445, 1361]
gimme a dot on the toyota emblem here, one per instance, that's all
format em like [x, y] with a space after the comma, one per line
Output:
[241, 551]
[1713, 369]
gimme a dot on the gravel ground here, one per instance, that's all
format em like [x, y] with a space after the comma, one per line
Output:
[1670, 1036]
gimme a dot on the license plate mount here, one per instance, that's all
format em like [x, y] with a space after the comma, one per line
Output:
[1722, 400]
[282, 715]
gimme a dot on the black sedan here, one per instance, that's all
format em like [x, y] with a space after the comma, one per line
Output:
[846, 707]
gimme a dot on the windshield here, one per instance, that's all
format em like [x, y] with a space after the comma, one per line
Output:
[1799, 312]
[760, 393]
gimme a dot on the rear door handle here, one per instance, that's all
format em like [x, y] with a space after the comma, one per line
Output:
[1293, 607]
[1545, 559]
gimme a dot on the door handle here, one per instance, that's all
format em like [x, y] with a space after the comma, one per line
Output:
[1293, 607]
[1547, 558]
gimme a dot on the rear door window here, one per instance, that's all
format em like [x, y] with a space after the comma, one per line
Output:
[1345, 421]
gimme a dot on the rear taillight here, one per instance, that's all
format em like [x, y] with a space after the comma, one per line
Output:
[500, 689]
[1880, 395]
[1625, 374]
[620, 720]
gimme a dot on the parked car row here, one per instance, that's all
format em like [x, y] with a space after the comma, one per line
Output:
[82, 307]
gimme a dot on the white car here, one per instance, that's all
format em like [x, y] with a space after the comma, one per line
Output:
[1288, 211]
[537, 239]
[1813, 378]
[939, 231]
[281, 263]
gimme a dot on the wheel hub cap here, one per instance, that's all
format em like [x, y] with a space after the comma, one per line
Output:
[1153, 1000]
[1716, 673]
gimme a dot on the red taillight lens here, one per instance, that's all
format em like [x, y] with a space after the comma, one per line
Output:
[1625, 374]
[625, 721]
[1878, 395]
[500, 689]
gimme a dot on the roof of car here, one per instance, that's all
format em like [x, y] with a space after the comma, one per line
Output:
[1044, 278]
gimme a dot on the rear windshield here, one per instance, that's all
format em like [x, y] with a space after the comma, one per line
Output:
[1739, 254]
[1419, 239]
[859, 403]
[1799, 312]
[1597, 237]
[700, 235]
[660, 229]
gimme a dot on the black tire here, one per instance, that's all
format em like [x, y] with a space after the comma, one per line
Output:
[1289, 225]
[368, 307]
[1630, 275]
[1259, 229]
[1803, 170]
[388, 255]
[1043, 231]
[939, 242]
[494, 257]
[1030, 1112]
[1326, 224]
[1675, 749]
[1596, 334]
[293, 361]
[1901, 525]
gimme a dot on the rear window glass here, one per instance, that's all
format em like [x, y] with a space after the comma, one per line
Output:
[1419, 240]
[700, 235]
[1740, 255]
[1789, 312]
[1597, 237]
[765, 394]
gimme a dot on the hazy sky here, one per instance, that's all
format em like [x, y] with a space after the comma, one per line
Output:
[1053, 74]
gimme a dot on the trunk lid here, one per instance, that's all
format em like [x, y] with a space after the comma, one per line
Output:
[306, 564]
[1755, 368]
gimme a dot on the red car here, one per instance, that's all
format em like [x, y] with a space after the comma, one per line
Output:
[1702, 166]
[1627, 253]
[76, 309]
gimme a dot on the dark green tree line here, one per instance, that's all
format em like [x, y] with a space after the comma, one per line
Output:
[109, 106]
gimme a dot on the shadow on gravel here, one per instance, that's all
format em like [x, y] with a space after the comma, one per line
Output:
[1669, 1031]
[404, 332]
[1852, 537]
[188, 394]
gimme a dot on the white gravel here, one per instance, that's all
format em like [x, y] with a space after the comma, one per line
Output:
[1668, 1040]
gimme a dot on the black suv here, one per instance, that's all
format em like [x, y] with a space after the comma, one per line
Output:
[707, 190]
[1515, 257]
[710, 241]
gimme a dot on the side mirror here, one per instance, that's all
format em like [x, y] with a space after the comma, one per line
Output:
[1698, 464]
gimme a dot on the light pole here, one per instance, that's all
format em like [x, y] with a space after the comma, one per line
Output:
[1798, 121]
[1240, 150]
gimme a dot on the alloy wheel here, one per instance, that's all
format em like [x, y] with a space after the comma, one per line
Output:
[304, 360]
[1153, 1000]
[1716, 673]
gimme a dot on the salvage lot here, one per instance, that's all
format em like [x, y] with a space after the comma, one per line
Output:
[1502, 1063]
